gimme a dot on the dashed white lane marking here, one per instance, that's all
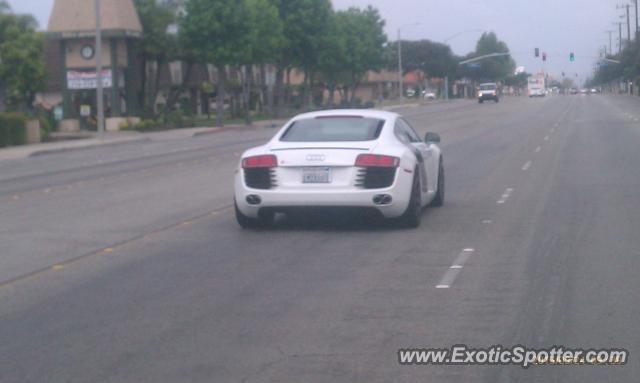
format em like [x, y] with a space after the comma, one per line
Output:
[487, 221]
[451, 274]
[546, 138]
[526, 166]
[505, 196]
[538, 149]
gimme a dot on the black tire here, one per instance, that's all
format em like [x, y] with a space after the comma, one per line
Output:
[480, 101]
[438, 200]
[412, 217]
[263, 221]
[497, 100]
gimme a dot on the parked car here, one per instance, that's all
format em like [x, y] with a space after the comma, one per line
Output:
[429, 95]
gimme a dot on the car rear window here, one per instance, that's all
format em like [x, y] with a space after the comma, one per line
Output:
[333, 129]
[488, 87]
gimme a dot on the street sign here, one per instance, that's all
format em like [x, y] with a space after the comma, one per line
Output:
[474, 65]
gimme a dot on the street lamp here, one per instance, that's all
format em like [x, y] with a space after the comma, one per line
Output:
[461, 33]
[400, 79]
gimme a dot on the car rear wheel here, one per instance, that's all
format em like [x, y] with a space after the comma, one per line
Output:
[438, 200]
[413, 215]
[265, 219]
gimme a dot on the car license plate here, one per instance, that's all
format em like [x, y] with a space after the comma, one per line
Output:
[316, 175]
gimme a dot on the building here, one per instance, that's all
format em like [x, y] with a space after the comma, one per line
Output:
[133, 85]
[71, 78]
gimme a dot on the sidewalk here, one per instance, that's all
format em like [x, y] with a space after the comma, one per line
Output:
[121, 138]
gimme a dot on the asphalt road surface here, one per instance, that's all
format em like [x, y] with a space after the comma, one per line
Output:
[125, 264]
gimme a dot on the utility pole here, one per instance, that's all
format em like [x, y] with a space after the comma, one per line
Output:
[636, 4]
[99, 87]
[619, 23]
[626, 7]
[628, 26]
[610, 41]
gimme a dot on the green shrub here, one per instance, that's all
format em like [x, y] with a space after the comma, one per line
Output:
[175, 119]
[125, 125]
[13, 129]
[47, 122]
[145, 125]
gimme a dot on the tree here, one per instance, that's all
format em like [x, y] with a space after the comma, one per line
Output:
[490, 69]
[21, 60]
[517, 80]
[266, 41]
[435, 59]
[156, 46]
[332, 58]
[218, 32]
[353, 45]
[305, 25]
[364, 41]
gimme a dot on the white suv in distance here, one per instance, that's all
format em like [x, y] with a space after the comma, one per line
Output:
[488, 91]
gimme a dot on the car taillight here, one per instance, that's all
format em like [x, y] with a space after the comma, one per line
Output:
[377, 161]
[265, 161]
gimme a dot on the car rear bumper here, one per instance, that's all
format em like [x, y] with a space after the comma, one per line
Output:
[284, 200]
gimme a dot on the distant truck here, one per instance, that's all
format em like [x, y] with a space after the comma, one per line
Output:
[536, 86]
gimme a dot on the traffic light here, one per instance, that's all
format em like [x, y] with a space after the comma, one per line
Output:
[572, 57]
[537, 52]
[544, 57]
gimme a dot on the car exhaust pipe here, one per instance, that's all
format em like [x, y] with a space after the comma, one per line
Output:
[253, 199]
[382, 199]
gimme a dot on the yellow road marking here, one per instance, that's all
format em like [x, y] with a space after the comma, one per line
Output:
[9, 284]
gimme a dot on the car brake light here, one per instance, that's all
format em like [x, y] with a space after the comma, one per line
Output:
[264, 161]
[377, 161]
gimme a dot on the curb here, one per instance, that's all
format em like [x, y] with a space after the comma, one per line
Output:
[239, 127]
[43, 152]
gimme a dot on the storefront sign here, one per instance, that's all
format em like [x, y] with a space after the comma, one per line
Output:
[88, 80]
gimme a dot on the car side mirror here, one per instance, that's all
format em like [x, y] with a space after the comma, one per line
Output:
[432, 138]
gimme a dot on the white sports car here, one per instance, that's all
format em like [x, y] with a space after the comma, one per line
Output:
[365, 159]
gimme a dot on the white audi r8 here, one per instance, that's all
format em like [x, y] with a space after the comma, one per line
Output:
[365, 159]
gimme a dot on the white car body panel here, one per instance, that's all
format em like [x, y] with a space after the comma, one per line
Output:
[342, 191]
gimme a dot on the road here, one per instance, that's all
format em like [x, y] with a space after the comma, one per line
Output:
[125, 264]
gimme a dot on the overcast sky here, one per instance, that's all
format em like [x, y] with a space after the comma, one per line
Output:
[555, 26]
